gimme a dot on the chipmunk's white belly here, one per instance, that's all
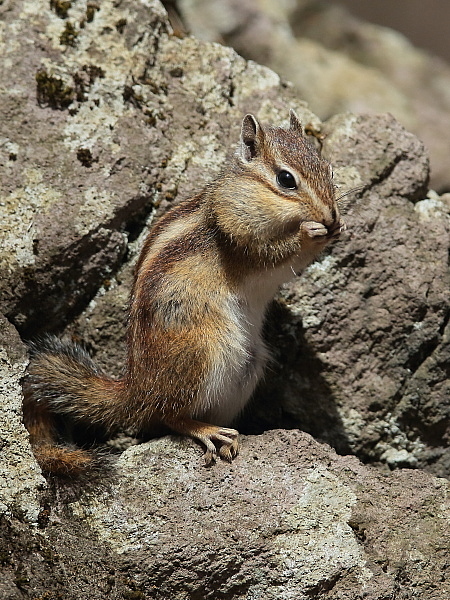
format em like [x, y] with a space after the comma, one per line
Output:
[237, 365]
[241, 355]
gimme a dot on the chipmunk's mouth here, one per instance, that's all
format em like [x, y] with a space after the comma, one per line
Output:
[335, 230]
[322, 233]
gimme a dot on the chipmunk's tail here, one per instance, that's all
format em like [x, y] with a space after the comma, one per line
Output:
[63, 380]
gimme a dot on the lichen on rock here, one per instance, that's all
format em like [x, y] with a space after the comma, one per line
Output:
[20, 477]
[116, 128]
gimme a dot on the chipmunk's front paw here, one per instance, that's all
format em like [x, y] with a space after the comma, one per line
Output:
[314, 230]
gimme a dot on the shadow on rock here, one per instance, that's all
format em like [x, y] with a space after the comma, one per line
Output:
[294, 393]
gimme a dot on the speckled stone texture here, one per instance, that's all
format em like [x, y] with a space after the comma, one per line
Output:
[106, 119]
[20, 477]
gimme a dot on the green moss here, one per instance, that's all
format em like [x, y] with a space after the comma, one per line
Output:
[61, 7]
[91, 9]
[93, 72]
[84, 78]
[69, 36]
[52, 91]
[129, 95]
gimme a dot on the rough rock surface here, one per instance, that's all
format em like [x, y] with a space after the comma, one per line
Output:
[20, 477]
[363, 338]
[337, 62]
[288, 519]
[106, 118]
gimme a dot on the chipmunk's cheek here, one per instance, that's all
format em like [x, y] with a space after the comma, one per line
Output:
[291, 227]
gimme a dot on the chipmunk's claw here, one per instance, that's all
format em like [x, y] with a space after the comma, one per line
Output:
[220, 441]
[223, 442]
[229, 452]
[319, 232]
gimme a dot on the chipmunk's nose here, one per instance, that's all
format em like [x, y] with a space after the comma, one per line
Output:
[336, 228]
[333, 222]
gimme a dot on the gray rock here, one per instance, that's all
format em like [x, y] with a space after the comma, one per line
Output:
[122, 119]
[20, 476]
[288, 519]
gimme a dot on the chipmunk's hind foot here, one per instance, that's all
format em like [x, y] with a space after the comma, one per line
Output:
[219, 441]
[224, 442]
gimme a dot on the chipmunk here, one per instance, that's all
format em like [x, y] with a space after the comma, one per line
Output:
[205, 275]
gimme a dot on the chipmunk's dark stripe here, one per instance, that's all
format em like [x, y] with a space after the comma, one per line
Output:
[150, 276]
[184, 209]
[165, 360]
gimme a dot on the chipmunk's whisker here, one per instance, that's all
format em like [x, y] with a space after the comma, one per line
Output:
[351, 191]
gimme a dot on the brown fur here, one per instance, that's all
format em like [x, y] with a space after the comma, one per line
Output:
[204, 277]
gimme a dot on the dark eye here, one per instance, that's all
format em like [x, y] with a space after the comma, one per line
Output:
[286, 180]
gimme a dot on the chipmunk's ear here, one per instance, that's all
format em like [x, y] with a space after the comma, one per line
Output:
[252, 138]
[294, 122]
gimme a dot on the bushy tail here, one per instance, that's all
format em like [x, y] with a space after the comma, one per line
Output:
[63, 380]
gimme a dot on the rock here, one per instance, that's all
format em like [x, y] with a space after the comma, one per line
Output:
[106, 119]
[292, 518]
[288, 519]
[362, 337]
[63, 191]
[337, 63]
[20, 477]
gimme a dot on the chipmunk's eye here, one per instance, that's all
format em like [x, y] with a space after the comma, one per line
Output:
[286, 180]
